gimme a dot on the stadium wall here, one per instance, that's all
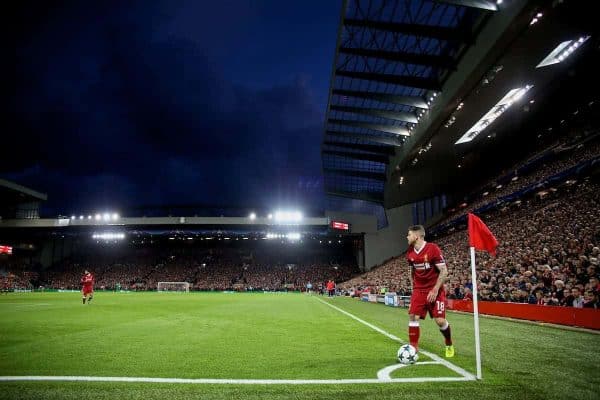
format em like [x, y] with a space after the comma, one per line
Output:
[383, 244]
[56, 250]
[359, 223]
[580, 317]
[390, 241]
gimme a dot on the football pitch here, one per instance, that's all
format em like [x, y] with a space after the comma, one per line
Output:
[268, 346]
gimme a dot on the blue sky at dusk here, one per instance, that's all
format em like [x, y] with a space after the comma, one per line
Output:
[118, 104]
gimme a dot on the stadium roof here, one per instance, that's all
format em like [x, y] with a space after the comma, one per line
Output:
[181, 222]
[392, 57]
[12, 193]
[411, 77]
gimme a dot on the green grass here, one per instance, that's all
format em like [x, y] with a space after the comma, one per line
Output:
[270, 336]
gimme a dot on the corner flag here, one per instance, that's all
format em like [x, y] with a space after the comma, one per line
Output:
[480, 238]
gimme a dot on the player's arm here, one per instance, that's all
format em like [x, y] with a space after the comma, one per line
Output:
[432, 295]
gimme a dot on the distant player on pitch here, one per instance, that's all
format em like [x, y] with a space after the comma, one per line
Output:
[87, 290]
[428, 273]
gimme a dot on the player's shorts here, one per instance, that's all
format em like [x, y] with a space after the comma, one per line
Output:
[88, 290]
[420, 306]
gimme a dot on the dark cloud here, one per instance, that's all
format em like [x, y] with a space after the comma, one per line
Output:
[118, 104]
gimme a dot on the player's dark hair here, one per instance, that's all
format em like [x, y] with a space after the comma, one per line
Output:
[420, 229]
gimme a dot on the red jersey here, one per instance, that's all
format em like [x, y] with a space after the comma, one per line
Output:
[87, 280]
[425, 264]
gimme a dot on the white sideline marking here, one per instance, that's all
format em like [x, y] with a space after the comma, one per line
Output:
[223, 381]
[449, 365]
[383, 375]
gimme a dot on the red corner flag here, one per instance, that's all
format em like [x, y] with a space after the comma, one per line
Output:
[480, 236]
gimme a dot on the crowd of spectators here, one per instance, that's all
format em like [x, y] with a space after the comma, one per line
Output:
[208, 269]
[563, 157]
[548, 254]
[17, 272]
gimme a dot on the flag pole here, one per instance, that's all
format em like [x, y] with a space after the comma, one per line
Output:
[475, 314]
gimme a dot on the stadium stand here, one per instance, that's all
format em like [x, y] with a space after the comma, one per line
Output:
[557, 162]
[18, 201]
[212, 268]
[549, 253]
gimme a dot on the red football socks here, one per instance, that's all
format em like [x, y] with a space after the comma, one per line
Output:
[413, 333]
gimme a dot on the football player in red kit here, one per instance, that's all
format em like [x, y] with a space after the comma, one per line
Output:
[428, 273]
[87, 281]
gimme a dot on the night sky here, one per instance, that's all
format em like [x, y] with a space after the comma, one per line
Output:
[121, 104]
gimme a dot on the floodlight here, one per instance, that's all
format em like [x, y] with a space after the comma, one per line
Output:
[293, 236]
[109, 236]
[288, 217]
[562, 51]
[509, 99]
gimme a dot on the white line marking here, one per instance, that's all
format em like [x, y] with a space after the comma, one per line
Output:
[383, 376]
[224, 381]
[434, 357]
[384, 373]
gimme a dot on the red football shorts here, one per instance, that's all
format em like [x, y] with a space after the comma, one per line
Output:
[88, 290]
[420, 306]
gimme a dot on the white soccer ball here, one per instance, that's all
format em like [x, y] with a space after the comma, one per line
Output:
[407, 354]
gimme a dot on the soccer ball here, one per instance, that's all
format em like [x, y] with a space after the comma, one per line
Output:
[407, 354]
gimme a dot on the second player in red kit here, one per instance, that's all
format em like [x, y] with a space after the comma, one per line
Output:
[428, 273]
[87, 290]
